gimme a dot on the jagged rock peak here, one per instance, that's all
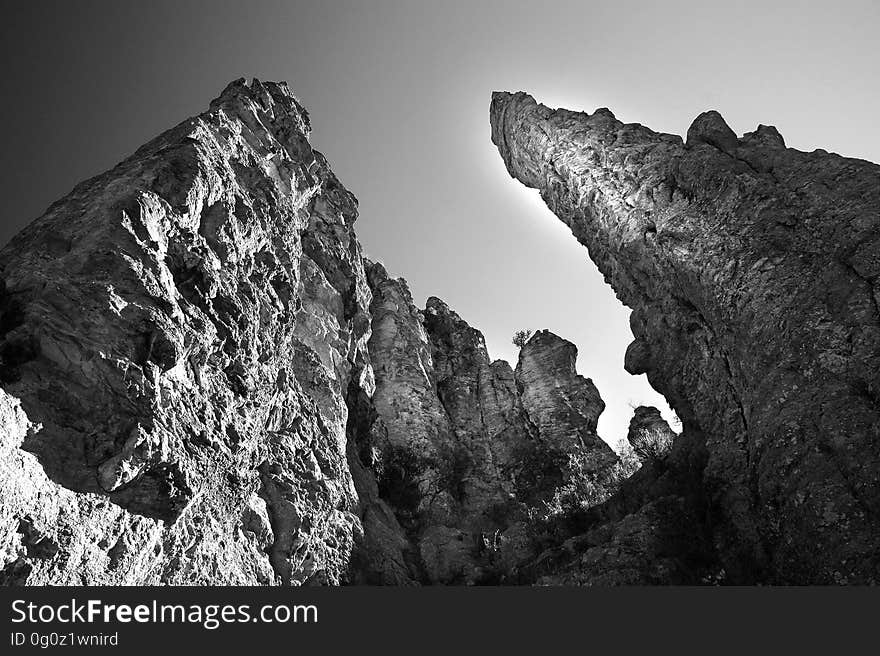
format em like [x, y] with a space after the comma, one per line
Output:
[204, 382]
[711, 128]
[466, 450]
[268, 96]
[564, 405]
[560, 353]
[181, 332]
[646, 417]
[753, 275]
[451, 334]
[765, 135]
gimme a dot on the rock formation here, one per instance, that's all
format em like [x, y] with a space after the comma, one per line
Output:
[187, 353]
[649, 435]
[752, 270]
[203, 381]
[181, 332]
[466, 450]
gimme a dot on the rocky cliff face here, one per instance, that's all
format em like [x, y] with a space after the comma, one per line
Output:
[181, 332]
[201, 384]
[752, 270]
[202, 381]
[466, 450]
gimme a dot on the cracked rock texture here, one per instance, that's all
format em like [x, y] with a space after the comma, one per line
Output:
[465, 449]
[753, 272]
[187, 353]
[202, 380]
[177, 338]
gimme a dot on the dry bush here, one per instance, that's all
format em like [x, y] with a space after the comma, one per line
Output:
[520, 337]
[653, 444]
[585, 488]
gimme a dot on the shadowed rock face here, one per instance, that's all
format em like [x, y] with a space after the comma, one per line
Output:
[649, 435]
[463, 449]
[181, 332]
[564, 406]
[752, 271]
[187, 355]
[203, 382]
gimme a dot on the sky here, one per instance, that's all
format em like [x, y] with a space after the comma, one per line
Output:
[398, 94]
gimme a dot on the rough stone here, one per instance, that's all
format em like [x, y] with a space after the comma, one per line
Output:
[202, 384]
[752, 270]
[464, 449]
[181, 332]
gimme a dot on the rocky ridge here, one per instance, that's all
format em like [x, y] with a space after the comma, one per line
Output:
[204, 382]
[466, 450]
[180, 332]
[752, 270]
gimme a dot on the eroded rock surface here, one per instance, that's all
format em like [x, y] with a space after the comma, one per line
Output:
[181, 332]
[752, 271]
[465, 450]
[204, 382]
[200, 384]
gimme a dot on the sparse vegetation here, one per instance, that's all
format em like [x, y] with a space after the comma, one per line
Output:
[396, 474]
[653, 444]
[539, 470]
[585, 488]
[520, 337]
[453, 464]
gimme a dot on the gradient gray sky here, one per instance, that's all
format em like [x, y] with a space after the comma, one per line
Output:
[399, 94]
